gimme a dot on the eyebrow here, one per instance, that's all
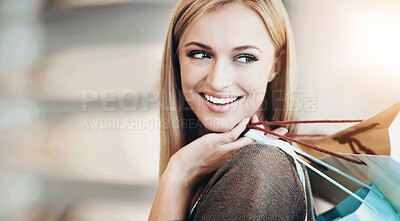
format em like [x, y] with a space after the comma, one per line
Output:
[239, 48]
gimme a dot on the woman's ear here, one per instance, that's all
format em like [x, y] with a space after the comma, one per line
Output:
[276, 69]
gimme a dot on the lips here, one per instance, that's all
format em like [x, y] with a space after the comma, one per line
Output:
[219, 103]
[216, 100]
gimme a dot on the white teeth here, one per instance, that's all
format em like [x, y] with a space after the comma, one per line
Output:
[216, 100]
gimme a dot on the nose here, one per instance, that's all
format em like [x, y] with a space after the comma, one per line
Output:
[219, 76]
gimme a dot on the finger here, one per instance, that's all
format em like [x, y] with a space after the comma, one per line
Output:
[236, 131]
[254, 119]
[280, 131]
[235, 145]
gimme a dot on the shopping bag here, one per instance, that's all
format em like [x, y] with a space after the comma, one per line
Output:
[351, 209]
[378, 135]
[367, 141]
[381, 171]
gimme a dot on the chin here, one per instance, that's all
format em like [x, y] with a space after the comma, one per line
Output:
[219, 125]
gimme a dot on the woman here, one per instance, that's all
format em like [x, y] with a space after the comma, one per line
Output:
[226, 63]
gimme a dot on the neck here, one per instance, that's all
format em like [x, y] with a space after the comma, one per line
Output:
[260, 115]
[203, 131]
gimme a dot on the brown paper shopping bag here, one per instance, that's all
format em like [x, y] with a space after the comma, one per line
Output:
[374, 136]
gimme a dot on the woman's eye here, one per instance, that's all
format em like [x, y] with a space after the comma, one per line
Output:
[247, 59]
[198, 54]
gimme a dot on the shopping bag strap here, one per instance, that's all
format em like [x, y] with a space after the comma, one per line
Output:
[334, 169]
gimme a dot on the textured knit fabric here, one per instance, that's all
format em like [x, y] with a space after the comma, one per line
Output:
[258, 182]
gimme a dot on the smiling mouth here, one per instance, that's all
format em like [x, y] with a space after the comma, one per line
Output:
[220, 101]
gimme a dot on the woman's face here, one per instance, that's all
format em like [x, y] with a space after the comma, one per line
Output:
[226, 61]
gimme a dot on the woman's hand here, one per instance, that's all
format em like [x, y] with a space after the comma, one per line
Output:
[209, 152]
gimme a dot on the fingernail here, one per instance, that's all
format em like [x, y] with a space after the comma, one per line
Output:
[283, 130]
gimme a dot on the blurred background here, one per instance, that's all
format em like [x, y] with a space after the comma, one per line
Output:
[79, 130]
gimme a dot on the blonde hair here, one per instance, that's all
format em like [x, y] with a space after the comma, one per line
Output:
[280, 103]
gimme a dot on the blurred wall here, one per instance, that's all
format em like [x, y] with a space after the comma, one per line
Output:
[79, 108]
